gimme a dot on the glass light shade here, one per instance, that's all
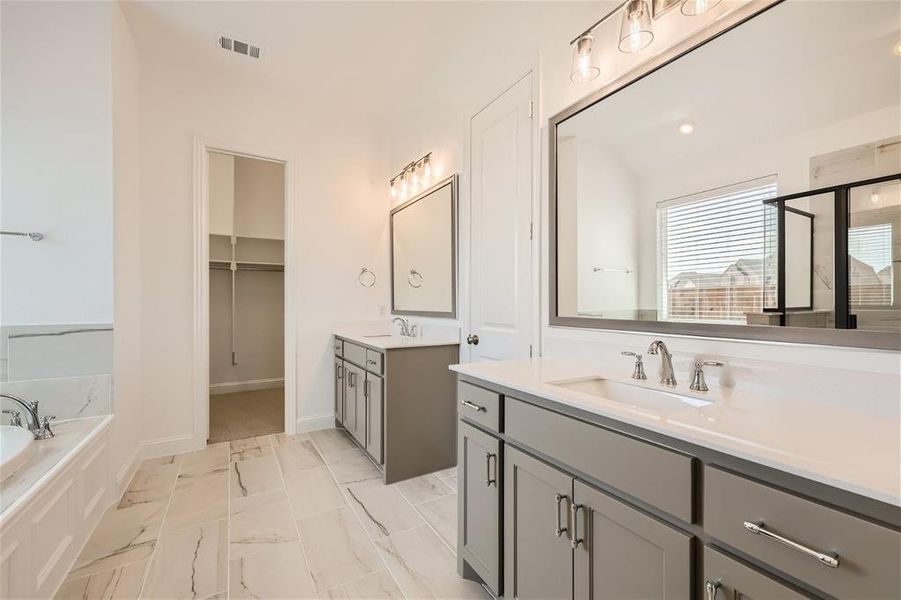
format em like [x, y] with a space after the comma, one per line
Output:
[635, 32]
[693, 8]
[427, 168]
[393, 189]
[585, 61]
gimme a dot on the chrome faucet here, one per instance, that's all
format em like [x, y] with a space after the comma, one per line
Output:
[406, 329]
[667, 376]
[37, 425]
[698, 383]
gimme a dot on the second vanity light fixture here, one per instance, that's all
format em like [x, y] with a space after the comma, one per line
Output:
[413, 177]
[635, 33]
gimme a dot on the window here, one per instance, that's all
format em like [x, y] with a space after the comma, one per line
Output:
[712, 253]
[870, 265]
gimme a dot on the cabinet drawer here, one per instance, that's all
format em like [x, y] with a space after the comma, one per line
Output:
[373, 361]
[355, 354]
[339, 347]
[725, 577]
[868, 555]
[660, 477]
[479, 405]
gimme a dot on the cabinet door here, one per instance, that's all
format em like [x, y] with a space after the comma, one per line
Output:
[479, 536]
[623, 553]
[537, 552]
[725, 578]
[351, 387]
[359, 426]
[339, 390]
[374, 424]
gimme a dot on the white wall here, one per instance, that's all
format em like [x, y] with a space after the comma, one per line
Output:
[127, 432]
[56, 163]
[341, 225]
[442, 127]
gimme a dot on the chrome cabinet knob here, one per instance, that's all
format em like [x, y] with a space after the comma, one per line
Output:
[472, 340]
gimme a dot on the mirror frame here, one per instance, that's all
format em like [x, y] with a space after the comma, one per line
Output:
[452, 314]
[875, 340]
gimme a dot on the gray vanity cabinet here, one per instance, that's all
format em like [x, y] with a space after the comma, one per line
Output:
[372, 393]
[479, 461]
[339, 390]
[623, 553]
[538, 557]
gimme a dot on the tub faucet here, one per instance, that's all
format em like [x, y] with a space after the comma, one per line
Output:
[38, 426]
[667, 376]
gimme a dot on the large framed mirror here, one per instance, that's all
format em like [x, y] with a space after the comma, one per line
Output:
[424, 253]
[746, 187]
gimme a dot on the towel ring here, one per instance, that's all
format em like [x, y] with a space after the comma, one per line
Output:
[414, 276]
[366, 277]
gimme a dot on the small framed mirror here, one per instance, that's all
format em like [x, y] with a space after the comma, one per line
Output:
[424, 253]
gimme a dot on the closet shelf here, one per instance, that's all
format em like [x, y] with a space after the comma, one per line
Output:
[247, 265]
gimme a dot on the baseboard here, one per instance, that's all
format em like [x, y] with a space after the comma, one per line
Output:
[251, 385]
[177, 444]
[123, 477]
[315, 423]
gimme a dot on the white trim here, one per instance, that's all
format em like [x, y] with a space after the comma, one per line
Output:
[315, 423]
[230, 387]
[176, 444]
[201, 345]
[123, 477]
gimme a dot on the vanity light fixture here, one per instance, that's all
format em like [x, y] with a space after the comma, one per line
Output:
[585, 62]
[635, 32]
[415, 175]
[693, 8]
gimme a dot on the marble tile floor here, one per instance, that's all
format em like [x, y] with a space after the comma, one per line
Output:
[276, 517]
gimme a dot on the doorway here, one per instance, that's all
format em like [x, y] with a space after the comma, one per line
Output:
[244, 361]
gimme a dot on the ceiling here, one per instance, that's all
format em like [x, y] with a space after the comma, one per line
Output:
[374, 56]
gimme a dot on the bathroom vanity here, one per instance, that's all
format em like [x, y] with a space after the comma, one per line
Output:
[379, 400]
[577, 486]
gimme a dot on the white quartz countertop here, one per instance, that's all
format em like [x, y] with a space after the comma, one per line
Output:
[50, 457]
[380, 340]
[842, 447]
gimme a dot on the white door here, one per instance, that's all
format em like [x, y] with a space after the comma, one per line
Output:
[500, 259]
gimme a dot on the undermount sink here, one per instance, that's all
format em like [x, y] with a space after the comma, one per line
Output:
[16, 447]
[637, 397]
[378, 335]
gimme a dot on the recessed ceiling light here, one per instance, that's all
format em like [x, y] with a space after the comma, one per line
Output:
[686, 127]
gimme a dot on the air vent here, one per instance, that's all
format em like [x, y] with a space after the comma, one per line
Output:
[231, 44]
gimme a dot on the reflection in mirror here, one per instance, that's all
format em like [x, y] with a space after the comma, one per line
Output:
[682, 197]
[423, 253]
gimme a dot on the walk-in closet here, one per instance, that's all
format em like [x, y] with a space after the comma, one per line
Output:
[247, 225]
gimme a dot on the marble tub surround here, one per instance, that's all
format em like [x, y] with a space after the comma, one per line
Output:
[187, 528]
[847, 446]
[49, 457]
[50, 351]
[64, 397]
[383, 335]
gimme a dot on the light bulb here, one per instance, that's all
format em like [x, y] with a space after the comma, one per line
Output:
[897, 49]
[415, 178]
[584, 65]
[686, 127]
[427, 168]
[403, 185]
[692, 8]
[635, 32]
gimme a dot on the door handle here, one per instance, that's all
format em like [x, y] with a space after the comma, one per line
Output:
[489, 480]
[710, 589]
[574, 509]
[559, 529]
[472, 340]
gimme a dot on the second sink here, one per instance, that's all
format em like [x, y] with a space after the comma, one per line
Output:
[638, 397]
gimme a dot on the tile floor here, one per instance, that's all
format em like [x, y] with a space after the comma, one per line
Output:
[276, 517]
[242, 415]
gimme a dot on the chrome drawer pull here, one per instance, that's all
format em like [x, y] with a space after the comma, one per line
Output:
[559, 529]
[473, 406]
[710, 588]
[574, 516]
[489, 480]
[826, 559]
